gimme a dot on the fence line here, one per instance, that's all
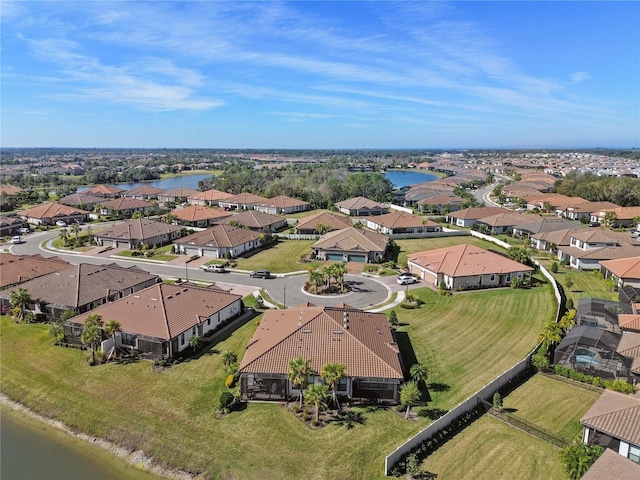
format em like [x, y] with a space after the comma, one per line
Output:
[483, 394]
[530, 428]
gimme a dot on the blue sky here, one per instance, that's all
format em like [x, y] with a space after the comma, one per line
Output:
[333, 74]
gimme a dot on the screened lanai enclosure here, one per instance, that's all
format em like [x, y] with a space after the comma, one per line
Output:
[592, 351]
[597, 312]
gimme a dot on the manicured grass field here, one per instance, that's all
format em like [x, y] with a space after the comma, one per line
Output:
[586, 284]
[491, 450]
[413, 245]
[280, 258]
[552, 405]
[465, 341]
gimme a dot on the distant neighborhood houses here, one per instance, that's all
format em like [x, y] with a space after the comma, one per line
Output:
[138, 232]
[51, 212]
[219, 241]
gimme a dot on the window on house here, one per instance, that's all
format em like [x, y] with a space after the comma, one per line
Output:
[182, 338]
[493, 277]
[341, 386]
[193, 331]
[634, 454]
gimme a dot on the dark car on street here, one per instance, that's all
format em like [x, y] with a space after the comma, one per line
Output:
[261, 274]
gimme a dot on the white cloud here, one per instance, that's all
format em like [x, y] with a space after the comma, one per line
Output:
[580, 77]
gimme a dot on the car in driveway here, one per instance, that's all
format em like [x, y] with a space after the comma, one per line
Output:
[214, 268]
[261, 274]
[60, 223]
[406, 279]
[24, 230]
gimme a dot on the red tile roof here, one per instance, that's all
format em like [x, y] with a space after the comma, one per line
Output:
[103, 190]
[194, 213]
[623, 267]
[615, 414]
[126, 203]
[162, 310]
[20, 268]
[612, 466]
[336, 222]
[398, 219]
[220, 236]
[353, 239]
[51, 210]
[366, 345]
[212, 195]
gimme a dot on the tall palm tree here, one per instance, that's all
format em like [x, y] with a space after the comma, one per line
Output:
[551, 335]
[409, 396]
[91, 335]
[419, 373]
[229, 358]
[56, 330]
[317, 395]
[195, 342]
[568, 320]
[19, 298]
[75, 229]
[332, 373]
[111, 328]
[299, 372]
[63, 235]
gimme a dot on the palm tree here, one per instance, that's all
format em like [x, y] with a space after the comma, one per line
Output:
[317, 395]
[195, 342]
[91, 334]
[419, 373]
[110, 328]
[19, 299]
[56, 330]
[229, 358]
[75, 229]
[63, 235]
[299, 371]
[577, 458]
[568, 320]
[551, 334]
[332, 374]
[409, 396]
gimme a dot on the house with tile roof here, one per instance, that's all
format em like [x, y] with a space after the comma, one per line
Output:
[546, 224]
[308, 225]
[363, 341]
[144, 192]
[20, 268]
[559, 203]
[125, 206]
[626, 271]
[625, 216]
[465, 267]
[440, 204]
[207, 198]
[139, 231]
[399, 224]
[159, 321]
[11, 226]
[242, 201]
[219, 241]
[81, 200]
[361, 207]
[590, 246]
[177, 195]
[551, 241]
[257, 221]
[351, 245]
[283, 205]
[585, 210]
[613, 422]
[612, 466]
[503, 222]
[104, 191]
[81, 287]
[468, 216]
[199, 216]
[51, 212]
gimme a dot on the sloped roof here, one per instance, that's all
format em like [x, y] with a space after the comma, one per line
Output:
[358, 203]
[219, 236]
[400, 219]
[212, 195]
[507, 219]
[125, 203]
[144, 190]
[590, 207]
[622, 213]
[162, 310]
[559, 237]
[549, 224]
[194, 213]
[612, 466]
[474, 213]
[615, 414]
[282, 201]
[52, 210]
[353, 239]
[466, 260]
[74, 199]
[244, 198]
[441, 200]
[254, 219]
[629, 347]
[10, 189]
[82, 284]
[623, 267]
[20, 268]
[104, 190]
[557, 200]
[329, 219]
[180, 192]
[138, 229]
[367, 347]
[629, 321]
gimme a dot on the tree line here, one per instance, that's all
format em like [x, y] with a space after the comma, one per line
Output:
[623, 191]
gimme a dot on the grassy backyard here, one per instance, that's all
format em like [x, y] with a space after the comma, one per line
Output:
[280, 258]
[552, 405]
[414, 245]
[491, 450]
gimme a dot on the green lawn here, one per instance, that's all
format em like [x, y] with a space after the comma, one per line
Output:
[491, 450]
[413, 245]
[470, 338]
[552, 405]
[280, 258]
[586, 284]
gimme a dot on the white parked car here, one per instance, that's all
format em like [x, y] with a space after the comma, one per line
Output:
[406, 279]
[60, 223]
[17, 239]
[215, 268]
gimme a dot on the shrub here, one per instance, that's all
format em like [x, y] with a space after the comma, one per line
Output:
[230, 381]
[497, 401]
[226, 399]
[621, 386]
[554, 267]
[393, 318]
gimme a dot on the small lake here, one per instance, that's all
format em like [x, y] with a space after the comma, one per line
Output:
[33, 450]
[188, 181]
[405, 178]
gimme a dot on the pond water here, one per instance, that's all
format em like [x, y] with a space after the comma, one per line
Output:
[405, 178]
[34, 450]
[188, 181]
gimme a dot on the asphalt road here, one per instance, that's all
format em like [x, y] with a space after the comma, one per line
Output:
[287, 290]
